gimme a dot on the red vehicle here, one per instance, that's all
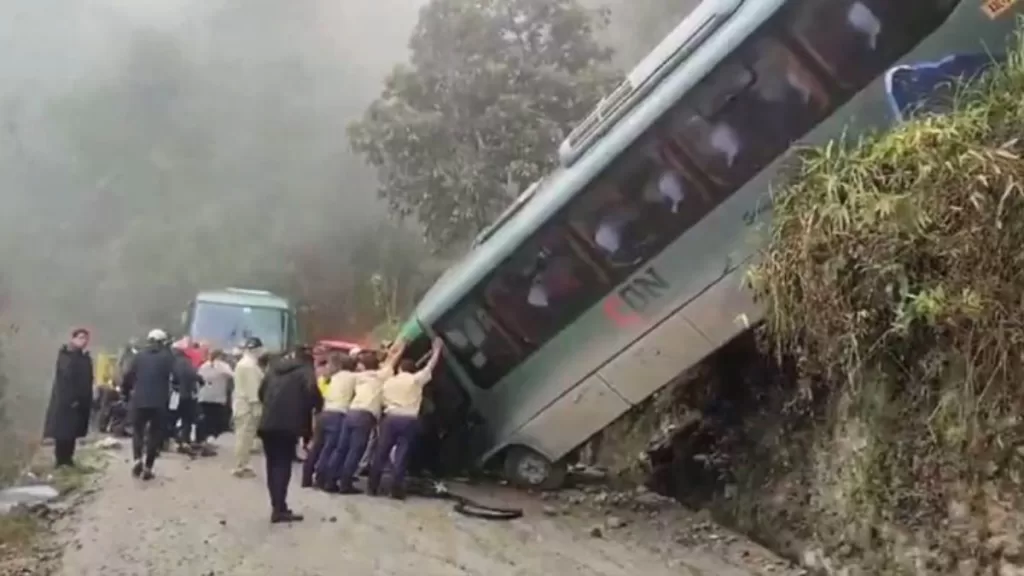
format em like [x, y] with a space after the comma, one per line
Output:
[325, 346]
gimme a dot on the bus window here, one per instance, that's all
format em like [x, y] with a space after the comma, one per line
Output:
[640, 206]
[749, 111]
[543, 287]
[481, 346]
[856, 40]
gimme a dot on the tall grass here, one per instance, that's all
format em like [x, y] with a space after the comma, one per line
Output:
[895, 277]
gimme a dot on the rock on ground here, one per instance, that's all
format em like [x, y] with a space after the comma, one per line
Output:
[25, 496]
[196, 519]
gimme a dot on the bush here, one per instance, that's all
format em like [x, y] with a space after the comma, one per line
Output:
[894, 277]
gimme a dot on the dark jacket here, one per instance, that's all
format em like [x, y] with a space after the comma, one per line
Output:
[148, 379]
[124, 360]
[289, 394]
[185, 378]
[67, 416]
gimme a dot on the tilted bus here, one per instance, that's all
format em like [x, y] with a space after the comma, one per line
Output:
[623, 268]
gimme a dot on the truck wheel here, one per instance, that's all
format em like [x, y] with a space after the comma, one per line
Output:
[529, 470]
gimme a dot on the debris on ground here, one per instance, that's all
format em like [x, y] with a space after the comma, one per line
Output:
[639, 499]
[183, 531]
[614, 522]
[29, 516]
[17, 497]
[647, 518]
[108, 443]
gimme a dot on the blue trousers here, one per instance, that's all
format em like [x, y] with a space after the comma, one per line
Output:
[355, 433]
[398, 432]
[330, 436]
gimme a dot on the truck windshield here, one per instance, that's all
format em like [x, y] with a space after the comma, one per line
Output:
[228, 325]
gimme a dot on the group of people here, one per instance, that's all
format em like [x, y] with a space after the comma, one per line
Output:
[368, 409]
[199, 407]
[163, 387]
[366, 398]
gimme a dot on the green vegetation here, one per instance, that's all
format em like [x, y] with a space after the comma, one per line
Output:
[17, 529]
[89, 460]
[894, 278]
[493, 86]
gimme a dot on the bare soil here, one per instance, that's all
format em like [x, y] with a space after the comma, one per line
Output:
[196, 519]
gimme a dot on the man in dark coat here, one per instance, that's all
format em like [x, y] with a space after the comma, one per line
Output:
[67, 416]
[148, 383]
[288, 393]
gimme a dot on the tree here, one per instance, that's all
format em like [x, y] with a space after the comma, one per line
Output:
[492, 88]
[358, 279]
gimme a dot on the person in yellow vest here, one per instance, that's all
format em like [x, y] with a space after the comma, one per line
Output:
[401, 397]
[104, 370]
[312, 445]
[323, 379]
[105, 394]
[337, 397]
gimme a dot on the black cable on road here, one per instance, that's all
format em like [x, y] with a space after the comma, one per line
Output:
[463, 505]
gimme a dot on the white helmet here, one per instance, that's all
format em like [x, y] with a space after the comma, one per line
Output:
[156, 335]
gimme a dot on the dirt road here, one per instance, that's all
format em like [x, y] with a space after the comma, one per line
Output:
[197, 520]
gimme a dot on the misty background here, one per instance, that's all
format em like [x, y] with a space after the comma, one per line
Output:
[151, 149]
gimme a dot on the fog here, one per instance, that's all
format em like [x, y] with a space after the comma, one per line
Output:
[149, 149]
[144, 141]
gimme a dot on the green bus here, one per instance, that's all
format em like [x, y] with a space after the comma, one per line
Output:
[623, 268]
[225, 318]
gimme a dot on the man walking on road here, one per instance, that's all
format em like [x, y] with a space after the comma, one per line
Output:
[246, 405]
[148, 383]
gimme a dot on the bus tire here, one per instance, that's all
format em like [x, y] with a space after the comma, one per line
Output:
[528, 469]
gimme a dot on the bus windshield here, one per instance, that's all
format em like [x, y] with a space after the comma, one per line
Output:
[228, 325]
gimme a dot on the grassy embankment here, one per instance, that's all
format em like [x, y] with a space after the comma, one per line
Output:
[893, 282]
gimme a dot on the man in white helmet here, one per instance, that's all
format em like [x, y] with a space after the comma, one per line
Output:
[148, 383]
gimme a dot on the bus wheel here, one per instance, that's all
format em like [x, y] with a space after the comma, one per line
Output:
[527, 469]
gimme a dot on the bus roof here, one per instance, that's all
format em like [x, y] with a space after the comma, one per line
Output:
[561, 186]
[241, 297]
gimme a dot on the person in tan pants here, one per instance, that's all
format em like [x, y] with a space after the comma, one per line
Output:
[246, 406]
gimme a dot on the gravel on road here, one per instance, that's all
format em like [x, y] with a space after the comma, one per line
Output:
[195, 519]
